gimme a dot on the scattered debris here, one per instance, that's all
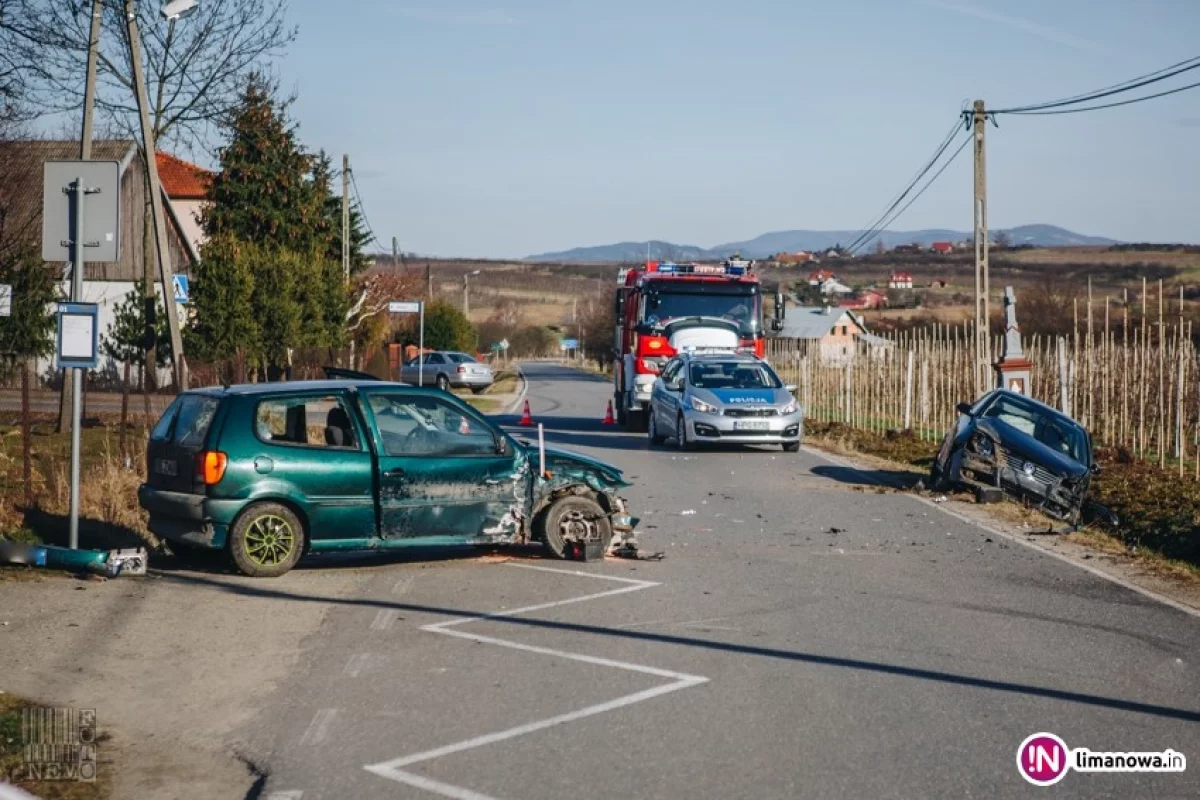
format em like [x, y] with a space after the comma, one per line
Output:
[110, 563]
[689, 512]
[837, 530]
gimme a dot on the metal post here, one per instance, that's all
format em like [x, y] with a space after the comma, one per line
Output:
[156, 204]
[85, 154]
[466, 299]
[421, 349]
[78, 196]
[979, 208]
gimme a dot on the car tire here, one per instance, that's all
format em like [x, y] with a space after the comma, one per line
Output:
[791, 447]
[568, 513]
[443, 383]
[652, 430]
[266, 541]
[681, 437]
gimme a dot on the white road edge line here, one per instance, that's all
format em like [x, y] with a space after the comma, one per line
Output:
[1099, 573]
[318, 729]
[394, 769]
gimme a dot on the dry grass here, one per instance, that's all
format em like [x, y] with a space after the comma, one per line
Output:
[1101, 257]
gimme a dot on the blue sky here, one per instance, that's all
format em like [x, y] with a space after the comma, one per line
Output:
[520, 126]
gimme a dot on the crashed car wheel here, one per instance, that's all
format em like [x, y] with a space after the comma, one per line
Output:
[575, 519]
[266, 541]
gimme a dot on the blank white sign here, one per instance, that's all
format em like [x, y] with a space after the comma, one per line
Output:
[77, 336]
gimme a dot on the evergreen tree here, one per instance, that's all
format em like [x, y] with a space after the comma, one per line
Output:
[275, 305]
[263, 192]
[28, 332]
[225, 324]
[126, 338]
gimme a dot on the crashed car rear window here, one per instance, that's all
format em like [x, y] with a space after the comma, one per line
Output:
[1056, 433]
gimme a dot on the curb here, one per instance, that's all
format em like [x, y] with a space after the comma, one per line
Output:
[511, 407]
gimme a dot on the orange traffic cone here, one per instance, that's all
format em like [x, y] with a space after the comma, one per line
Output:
[526, 418]
[608, 416]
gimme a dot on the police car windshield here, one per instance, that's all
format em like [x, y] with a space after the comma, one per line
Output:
[732, 375]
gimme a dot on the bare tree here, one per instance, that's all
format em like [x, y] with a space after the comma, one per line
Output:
[17, 73]
[195, 70]
[1002, 240]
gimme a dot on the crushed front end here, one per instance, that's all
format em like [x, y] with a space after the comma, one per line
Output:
[983, 462]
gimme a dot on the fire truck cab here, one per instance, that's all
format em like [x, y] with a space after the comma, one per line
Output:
[663, 308]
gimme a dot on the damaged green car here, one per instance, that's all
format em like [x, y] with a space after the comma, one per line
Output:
[269, 472]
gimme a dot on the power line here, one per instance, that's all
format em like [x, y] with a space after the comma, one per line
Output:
[1108, 105]
[363, 210]
[966, 141]
[873, 228]
[1134, 83]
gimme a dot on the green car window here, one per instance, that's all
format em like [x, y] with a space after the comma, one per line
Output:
[313, 421]
[429, 426]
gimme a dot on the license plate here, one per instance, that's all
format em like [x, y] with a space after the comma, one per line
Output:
[165, 466]
[750, 425]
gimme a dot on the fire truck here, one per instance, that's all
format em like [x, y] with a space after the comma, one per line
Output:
[665, 308]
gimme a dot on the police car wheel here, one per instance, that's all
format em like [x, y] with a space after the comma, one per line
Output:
[791, 447]
[652, 430]
[681, 437]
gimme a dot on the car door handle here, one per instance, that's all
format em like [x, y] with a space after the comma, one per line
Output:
[395, 472]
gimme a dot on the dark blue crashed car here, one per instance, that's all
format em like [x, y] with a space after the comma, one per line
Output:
[1024, 448]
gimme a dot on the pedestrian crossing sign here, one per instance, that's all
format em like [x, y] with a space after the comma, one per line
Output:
[181, 288]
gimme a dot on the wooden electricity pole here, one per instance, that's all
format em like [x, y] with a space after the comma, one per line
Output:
[979, 211]
[346, 219]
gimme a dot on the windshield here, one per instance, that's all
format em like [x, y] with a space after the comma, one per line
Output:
[733, 375]
[741, 308]
[1055, 432]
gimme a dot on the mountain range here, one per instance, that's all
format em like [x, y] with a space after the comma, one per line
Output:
[769, 244]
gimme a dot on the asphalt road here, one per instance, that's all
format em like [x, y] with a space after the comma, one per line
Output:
[906, 654]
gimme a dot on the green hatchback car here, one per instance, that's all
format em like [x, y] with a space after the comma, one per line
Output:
[269, 472]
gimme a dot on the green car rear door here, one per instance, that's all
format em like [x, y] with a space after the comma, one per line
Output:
[443, 470]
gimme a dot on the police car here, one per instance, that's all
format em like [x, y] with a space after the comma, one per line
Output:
[724, 396]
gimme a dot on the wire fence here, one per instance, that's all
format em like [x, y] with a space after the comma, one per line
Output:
[1135, 384]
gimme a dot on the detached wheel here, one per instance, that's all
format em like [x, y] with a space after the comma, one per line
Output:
[656, 438]
[575, 519]
[443, 383]
[266, 541]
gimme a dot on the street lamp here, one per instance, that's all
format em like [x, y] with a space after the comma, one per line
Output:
[466, 300]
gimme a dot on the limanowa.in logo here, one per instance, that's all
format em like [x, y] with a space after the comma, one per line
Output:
[1044, 759]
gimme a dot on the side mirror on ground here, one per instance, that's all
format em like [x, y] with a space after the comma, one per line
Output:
[964, 408]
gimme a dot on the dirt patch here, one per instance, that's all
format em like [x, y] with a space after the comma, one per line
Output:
[176, 664]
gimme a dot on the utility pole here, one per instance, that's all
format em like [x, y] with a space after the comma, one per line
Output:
[395, 251]
[428, 281]
[346, 218]
[85, 154]
[983, 343]
[156, 204]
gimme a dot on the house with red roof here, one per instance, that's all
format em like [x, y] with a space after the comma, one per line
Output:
[186, 186]
[942, 248]
[900, 280]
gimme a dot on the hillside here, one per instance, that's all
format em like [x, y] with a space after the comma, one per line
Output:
[790, 241]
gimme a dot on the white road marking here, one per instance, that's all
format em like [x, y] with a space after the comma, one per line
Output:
[318, 729]
[289, 794]
[394, 769]
[402, 586]
[1099, 573]
[384, 619]
[356, 664]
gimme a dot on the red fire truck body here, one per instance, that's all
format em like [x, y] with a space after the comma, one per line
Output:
[665, 308]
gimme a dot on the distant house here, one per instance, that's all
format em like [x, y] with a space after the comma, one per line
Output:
[832, 286]
[833, 252]
[835, 329]
[817, 277]
[900, 280]
[942, 248]
[866, 301]
[793, 259]
[186, 186]
[907, 248]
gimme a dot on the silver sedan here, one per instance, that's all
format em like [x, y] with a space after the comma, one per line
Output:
[446, 369]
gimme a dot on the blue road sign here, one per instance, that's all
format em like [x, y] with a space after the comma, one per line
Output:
[181, 288]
